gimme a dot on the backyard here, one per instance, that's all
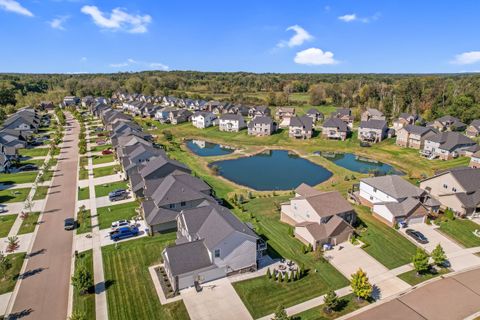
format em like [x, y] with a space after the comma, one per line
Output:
[130, 290]
[106, 215]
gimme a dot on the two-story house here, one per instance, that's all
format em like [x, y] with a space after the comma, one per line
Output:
[403, 120]
[259, 111]
[344, 114]
[446, 145]
[315, 115]
[473, 129]
[319, 217]
[300, 127]
[372, 130]
[231, 122]
[412, 136]
[203, 119]
[448, 123]
[261, 126]
[372, 114]
[335, 128]
[475, 160]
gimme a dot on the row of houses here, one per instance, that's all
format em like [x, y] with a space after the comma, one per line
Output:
[16, 132]
[211, 241]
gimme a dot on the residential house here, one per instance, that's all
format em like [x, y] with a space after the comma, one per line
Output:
[335, 128]
[446, 145]
[87, 101]
[344, 114]
[315, 115]
[300, 127]
[319, 217]
[285, 112]
[211, 243]
[372, 130]
[412, 136]
[372, 114]
[261, 126]
[138, 154]
[179, 116]
[259, 111]
[448, 123]
[204, 119]
[232, 122]
[71, 101]
[394, 200]
[475, 160]
[473, 130]
[403, 120]
[457, 189]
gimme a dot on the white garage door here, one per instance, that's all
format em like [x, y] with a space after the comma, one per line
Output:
[416, 220]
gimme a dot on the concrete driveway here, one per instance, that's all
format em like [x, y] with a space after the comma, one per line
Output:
[105, 201]
[350, 258]
[217, 301]
[460, 259]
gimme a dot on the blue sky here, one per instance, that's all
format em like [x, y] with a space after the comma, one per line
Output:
[351, 36]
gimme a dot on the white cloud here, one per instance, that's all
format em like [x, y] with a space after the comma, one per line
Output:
[301, 35]
[118, 19]
[15, 6]
[139, 65]
[83, 59]
[470, 57]
[354, 17]
[314, 57]
[58, 22]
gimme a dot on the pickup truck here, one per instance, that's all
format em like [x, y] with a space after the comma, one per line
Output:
[124, 233]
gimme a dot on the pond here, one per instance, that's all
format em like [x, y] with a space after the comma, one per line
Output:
[272, 170]
[359, 164]
[207, 149]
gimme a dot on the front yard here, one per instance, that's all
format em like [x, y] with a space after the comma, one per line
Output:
[102, 159]
[130, 291]
[85, 303]
[14, 195]
[106, 215]
[412, 278]
[347, 304]
[18, 178]
[101, 148]
[461, 230]
[8, 280]
[105, 171]
[103, 190]
[6, 223]
[34, 152]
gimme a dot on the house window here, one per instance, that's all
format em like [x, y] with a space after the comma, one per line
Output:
[171, 205]
[182, 204]
[217, 253]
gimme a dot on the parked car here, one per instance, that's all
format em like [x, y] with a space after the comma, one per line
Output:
[120, 223]
[107, 151]
[69, 224]
[417, 236]
[118, 195]
[124, 233]
[28, 167]
[3, 208]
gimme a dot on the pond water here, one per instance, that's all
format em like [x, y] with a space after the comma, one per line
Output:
[272, 170]
[359, 164]
[207, 149]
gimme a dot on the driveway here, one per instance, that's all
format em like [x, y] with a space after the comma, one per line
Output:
[105, 201]
[43, 290]
[217, 301]
[451, 298]
[350, 258]
[460, 259]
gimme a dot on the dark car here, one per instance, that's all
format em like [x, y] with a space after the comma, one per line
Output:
[28, 167]
[417, 236]
[69, 224]
[117, 195]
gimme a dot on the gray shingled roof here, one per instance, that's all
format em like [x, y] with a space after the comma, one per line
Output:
[418, 130]
[325, 204]
[394, 186]
[451, 140]
[231, 116]
[335, 123]
[188, 257]
[403, 208]
[260, 120]
[373, 124]
[304, 122]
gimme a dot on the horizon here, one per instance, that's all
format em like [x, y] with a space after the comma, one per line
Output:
[325, 37]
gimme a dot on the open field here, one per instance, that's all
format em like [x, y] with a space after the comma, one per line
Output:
[29, 224]
[106, 215]
[130, 291]
[85, 303]
[461, 230]
[103, 190]
[7, 281]
[6, 223]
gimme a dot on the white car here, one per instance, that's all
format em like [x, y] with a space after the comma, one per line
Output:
[119, 224]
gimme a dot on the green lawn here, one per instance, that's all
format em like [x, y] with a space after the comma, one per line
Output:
[101, 148]
[83, 193]
[18, 178]
[83, 172]
[47, 176]
[347, 304]
[84, 222]
[266, 221]
[130, 291]
[7, 282]
[462, 231]
[412, 278]
[102, 159]
[38, 163]
[40, 193]
[6, 223]
[383, 243]
[14, 195]
[104, 171]
[106, 215]
[85, 303]
[34, 152]
[29, 224]
[102, 190]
